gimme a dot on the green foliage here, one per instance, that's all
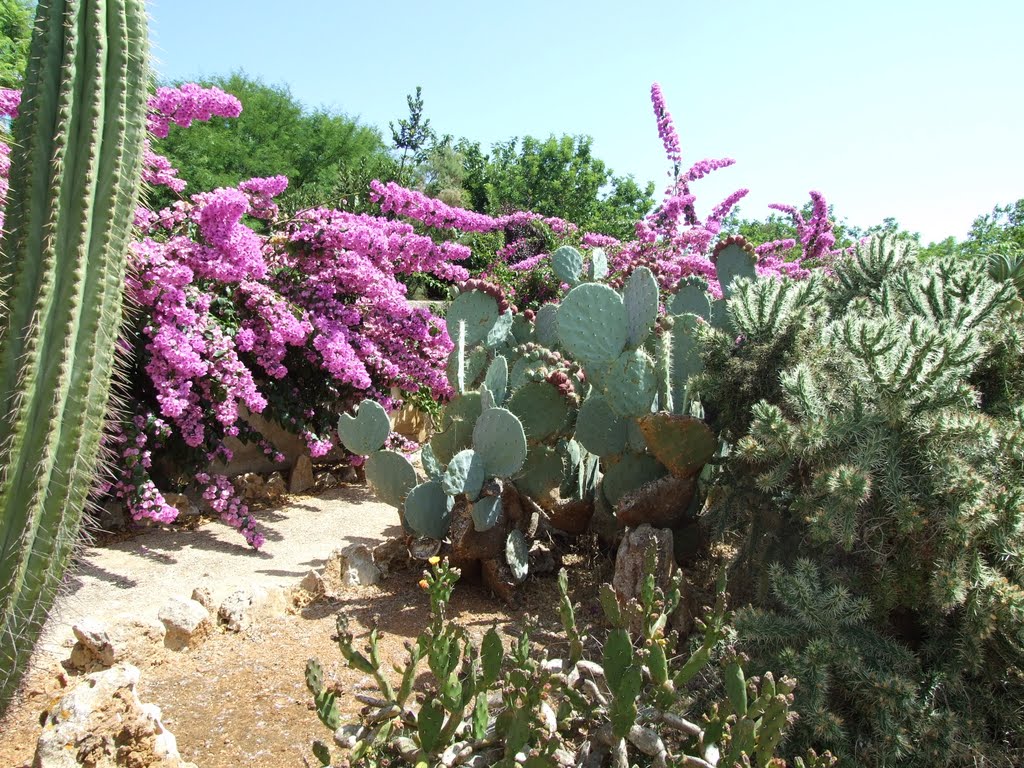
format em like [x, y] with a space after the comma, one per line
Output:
[559, 177]
[327, 157]
[625, 703]
[15, 35]
[876, 498]
[75, 173]
[412, 135]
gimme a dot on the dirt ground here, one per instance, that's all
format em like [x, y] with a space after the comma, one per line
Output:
[240, 698]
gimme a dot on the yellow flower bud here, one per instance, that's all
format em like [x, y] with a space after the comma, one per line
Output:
[423, 584]
[434, 560]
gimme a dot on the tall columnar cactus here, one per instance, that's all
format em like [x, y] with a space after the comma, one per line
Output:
[75, 181]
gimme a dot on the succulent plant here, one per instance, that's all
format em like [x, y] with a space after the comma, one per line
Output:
[75, 178]
[582, 403]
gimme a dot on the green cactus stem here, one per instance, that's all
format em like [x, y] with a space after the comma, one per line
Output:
[75, 179]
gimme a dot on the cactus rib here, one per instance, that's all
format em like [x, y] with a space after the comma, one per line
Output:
[75, 180]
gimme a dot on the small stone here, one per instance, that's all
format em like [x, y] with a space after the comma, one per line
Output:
[313, 583]
[250, 487]
[391, 555]
[93, 649]
[347, 735]
[326, 480]
[348, 474]
[499, 579]
[631, 561]
[242, 607]
[203, 596]
[187, 623]
[351, 566]
[183, 504]
[301, 478]
[542, 560]
[274, 488]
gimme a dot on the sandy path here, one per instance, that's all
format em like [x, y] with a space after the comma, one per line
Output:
[134, 578]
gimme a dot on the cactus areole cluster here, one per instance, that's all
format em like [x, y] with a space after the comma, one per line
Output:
[75, 177]
[578, 406]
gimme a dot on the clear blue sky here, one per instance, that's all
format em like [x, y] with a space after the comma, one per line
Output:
[890, 108]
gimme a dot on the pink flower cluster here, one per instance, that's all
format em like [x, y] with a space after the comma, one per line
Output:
[186, 104]
[666, 130]
[411, 204]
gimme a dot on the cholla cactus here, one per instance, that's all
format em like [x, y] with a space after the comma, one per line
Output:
[874, 457]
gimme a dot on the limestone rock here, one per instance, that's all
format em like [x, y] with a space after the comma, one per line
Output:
[302, 475]
[249, 487]
[350, 566]
[101, 723]
[242, 607]
[203, 596]
[182, 503]
[187, 622]
[391, 555]
[274, 488]
[348, 474]
[94, 650]
[499, 579]
[542, 559]
[630, 561]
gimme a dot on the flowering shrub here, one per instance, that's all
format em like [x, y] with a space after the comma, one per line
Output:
[238, 310]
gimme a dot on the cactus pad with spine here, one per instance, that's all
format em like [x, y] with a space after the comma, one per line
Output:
[465, 474]
[542, 473]
[367, 430]
[496, 379]
[631, 384]
[628, 473]
[485, 512]
[686, 359]
[599, 429]
[592, 324]
[428, 510]
[546, 324]
[733, 261]
[682, 443]
[567, 263]
[501, 442]
[541, 409]
[456, 428]
[691, 297]
[501, 331]
[597, 268]
[430, 463]
[476, 311]
[473, 363]
[391, 476]
[640, 298]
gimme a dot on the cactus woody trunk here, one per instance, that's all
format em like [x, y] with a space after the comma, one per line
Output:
[75, 182]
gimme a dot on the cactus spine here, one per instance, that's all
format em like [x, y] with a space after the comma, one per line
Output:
[75, 183]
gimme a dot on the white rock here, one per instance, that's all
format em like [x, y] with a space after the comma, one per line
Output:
[94, 648]
[350, 566]
[187, 623]
[302, 475]
[242, 607]
[101, 722]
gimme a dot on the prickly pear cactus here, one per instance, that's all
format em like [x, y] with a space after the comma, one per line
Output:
[75, 179]
[584, 404]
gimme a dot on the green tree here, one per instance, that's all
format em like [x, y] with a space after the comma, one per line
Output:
[413, 136]
[15, 33]
[1001, 231]
[559, 176]
[321, 153]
